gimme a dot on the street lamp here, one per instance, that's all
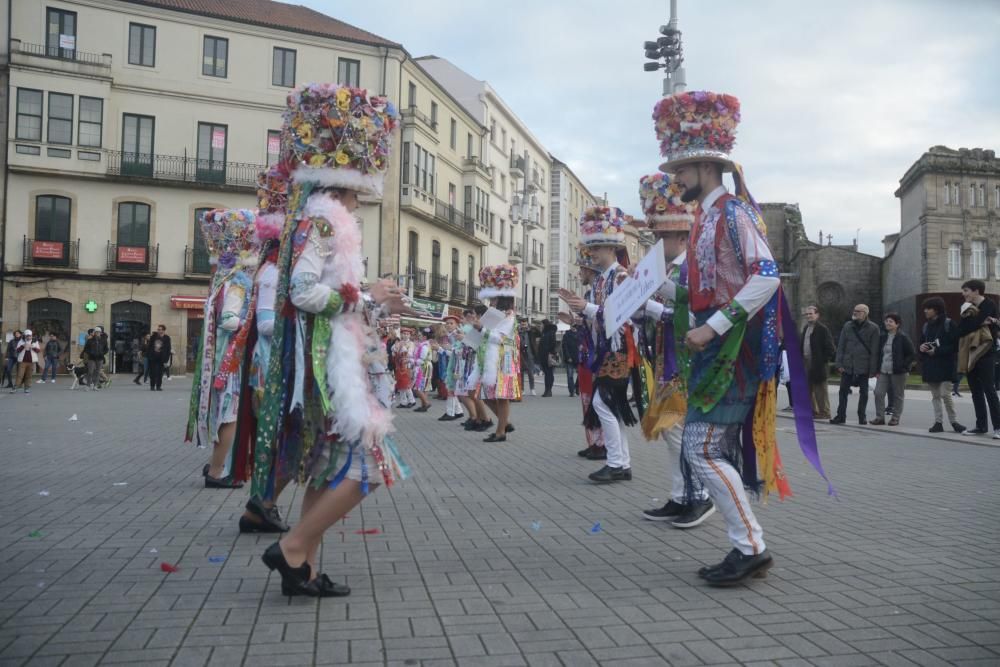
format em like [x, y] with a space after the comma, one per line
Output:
[667, 53]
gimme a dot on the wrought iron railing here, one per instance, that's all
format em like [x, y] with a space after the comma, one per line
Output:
[458, 291]
[196, 261]
[439, 285]
[516, 252]
[58, 53]
[414, 112]
[454, 217]
[141, 258]
[420, 280]
[517, 163]
[473, 294]
[183, 168]
[55, 254]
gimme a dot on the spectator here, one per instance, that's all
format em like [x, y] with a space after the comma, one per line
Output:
[818, 353]
[10, 359]
[139, 359]
[939, 359]
[570, 358]
[94, 351]
[52, 350]
[897, 356]
[955, 385]
[157, 356]
[857, 360]
[28, 350]
[168, 350]
[547, 355]
[976, 331]
[527, 358]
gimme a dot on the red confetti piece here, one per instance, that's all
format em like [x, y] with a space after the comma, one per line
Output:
[167, 567]
[367, 531]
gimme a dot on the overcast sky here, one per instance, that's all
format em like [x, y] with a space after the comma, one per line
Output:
[838, 98]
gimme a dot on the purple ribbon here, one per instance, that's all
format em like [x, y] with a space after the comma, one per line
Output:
[802, 407]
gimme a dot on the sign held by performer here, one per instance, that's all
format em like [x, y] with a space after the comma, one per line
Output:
[633, 292]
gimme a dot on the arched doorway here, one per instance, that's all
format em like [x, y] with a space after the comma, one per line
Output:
[46, 316]
[833, 305]
[129, 323]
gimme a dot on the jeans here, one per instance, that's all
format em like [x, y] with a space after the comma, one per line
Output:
[846, 381]
[526, 369]
[980, 379]
[94, 372]
[571, 378]
[8, 371]
[50, 362]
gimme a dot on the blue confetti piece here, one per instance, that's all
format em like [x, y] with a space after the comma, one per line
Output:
[596, 528]
[536, 526]
[216, 559]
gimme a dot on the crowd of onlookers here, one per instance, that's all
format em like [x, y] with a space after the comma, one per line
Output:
[869, 357]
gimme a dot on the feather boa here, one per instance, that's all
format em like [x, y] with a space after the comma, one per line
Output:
[357, 415]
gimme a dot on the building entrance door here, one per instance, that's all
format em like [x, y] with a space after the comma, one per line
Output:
[129, 323]
[194, 329]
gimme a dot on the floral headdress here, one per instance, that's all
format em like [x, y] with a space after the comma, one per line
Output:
[661, 202]
[498, 280]
[231, 236]
[585, 258]
[339, 137]
[603, 225]
[272, 191]
[696, 126]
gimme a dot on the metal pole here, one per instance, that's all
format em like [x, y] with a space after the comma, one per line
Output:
[524, 238]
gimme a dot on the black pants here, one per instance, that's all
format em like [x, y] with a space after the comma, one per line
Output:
[526, 369]
[980, 380]
[550, 377]
[847, 380]
[155, 375]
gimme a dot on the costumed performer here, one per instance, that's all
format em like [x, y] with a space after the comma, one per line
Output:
[499, 358]
[451, 345]
[402, 354]
[423, 367]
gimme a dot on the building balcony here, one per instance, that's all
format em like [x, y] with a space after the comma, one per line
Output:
[455, 218]
[69, 61]
[458, 291]
[183, 169]
[516, 166]
[537, 261]
[413, 115]
[196, 262]
[132, 258]
[473, 164]
[47, 255]
[417, 281]
[516, 255]
[439, 286]
[473, 294]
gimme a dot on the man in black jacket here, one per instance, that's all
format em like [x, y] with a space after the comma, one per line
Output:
[94, 351]
[547, 354]
[570, 358]
[980, 376]
[818, 353]
[939, 361]
[168, 350]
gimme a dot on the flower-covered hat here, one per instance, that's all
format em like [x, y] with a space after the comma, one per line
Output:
[498, 280]
[697, 126]
[338, 136]
[585, 258]
[603, 225]
[272, 191]
[661, 202]
[231, 237]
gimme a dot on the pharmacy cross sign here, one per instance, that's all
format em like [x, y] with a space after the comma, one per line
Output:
[91, 306]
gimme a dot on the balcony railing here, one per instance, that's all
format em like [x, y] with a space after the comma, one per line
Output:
[17, 46]
[474, 162]
[139, 258]
[516, 253]
[537, 259]
[454, 217]
[439, 285]
[196, 261]
[414, 112]
[183, 168]
[517, 166]
[458, 291]
[418, 281]
[50, 254]
[473, 294]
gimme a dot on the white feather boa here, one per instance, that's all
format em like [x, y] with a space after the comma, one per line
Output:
[357, 414]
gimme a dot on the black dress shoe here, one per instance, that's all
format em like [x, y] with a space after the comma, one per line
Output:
[583, 452]
[958, 427]
[444, 418]
[838, 420]
[323, 587]
[598, 454]
[608, 474]
[737, 568]
[422, 408]
[862, 420]
[223, 483]
[495, 438]
[270, 520]
[204, 470]
[294, 580]
[484, 426]
[509, 428]
[695, 515]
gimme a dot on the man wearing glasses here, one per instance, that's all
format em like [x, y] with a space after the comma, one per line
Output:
[857, 361]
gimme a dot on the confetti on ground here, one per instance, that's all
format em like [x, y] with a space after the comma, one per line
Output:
[596, 528]
[43, 493]
[216, 559]
[167, 567]
[35, 533]
[41, 584]
[153, 551]
[536, 526]
[120, 484]
[74, 418]
[367, 531]
[88, 433]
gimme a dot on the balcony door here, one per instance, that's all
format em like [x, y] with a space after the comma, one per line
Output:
[133, 236]
[60, 36]
[52, 222]
[137, 145]
[199, 254]
[211, 153]
[455, 270]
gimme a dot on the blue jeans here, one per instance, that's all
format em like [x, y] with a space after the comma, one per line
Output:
[53, 363]
[571, 378]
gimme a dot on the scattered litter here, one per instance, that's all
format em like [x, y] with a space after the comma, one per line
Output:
[167, 567]
[74, 418]
[35, 533]
[367, 531]
[43, 493]
[536, 526]
[153, 551]
[596, 528]
[216, 559]
[505, 533]
[41, 584]
[88, 433]
[656, 500]
[29, 442]
[120, 484]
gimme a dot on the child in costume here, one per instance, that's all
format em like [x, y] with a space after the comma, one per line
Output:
[451, 346]
[422, 364]
[402, 353]
[499, 358]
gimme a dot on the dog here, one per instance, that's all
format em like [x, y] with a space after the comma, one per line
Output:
[79, 372]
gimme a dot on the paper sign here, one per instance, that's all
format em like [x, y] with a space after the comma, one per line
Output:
[274, 145]
[633, 293]
[47, 250]
[472, 338]
[67, 42]
[219, 139]
[131, 254]
[492, 318]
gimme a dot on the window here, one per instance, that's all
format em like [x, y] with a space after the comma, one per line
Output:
[977, 260]
[90, 130]
[60, 129]
[503, 185]
[996, 265]
[283, 67]
[406, 163]
[199, 256]
[982, 195]
[137, 145]
[468, 147]
[493, 130]
[431, 173]
[435, 258]
[141, 45]
[29, 114]
[455, 264]
[411, 252]
[468, 201]
[492, 223]
[955, 260]
[434, 115]
[996, 196]
[947, 193]
[349, 72]
[133, 224]
[472, 274]
[454, 134]
[971, 201]
[273, 146]
[60, 34]
[411, 95]
[954, 194]
[210, 166]
[215, 56]
[52, 218]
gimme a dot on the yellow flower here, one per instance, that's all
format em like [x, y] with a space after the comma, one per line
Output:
[342, 158]
[343, 98]
[316, 160]
[306, 133]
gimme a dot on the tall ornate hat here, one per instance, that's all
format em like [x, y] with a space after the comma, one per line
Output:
[498, 280]
[231, 236]
[697, 126]
[603, 225]
[585, 258]
[339, 137]
[272, 193]
[661, 202]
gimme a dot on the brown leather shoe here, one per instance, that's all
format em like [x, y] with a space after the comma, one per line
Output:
[878, 421]
[894, 421]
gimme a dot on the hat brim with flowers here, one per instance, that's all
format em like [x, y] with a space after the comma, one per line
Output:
[585, 258]
[603, 226]
[696, 126]
[339, 137]
[661, 203]
[497, 280]
[231, 236]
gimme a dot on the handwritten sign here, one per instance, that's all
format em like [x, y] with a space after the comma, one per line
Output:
[131, 254]
[218, 138]
[633, 293]
[47, 250]
[67, 42]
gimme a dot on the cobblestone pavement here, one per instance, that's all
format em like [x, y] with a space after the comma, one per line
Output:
[489, 555]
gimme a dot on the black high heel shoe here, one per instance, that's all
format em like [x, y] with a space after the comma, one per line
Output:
[294, 580]
[495, 438]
